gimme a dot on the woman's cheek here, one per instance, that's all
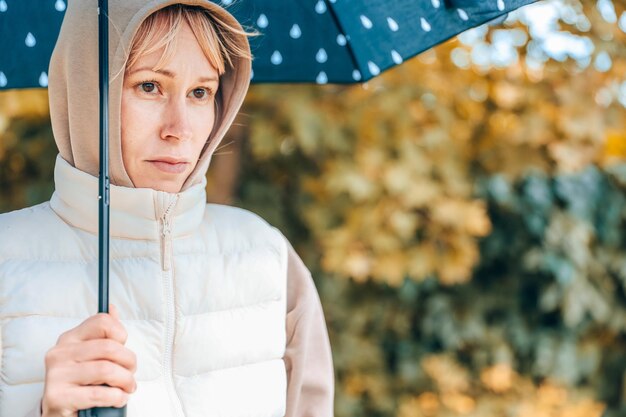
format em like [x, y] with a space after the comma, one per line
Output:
[145, 122]
[203, 126]
[143, 110]
[135, 124]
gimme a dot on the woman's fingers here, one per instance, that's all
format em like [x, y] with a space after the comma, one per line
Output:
[102, 373]
[69, 399]
[98, 396]
[94, 373]
[99, 326]
[88, 384]
[113, 311]
[101, 349]
[79, 386]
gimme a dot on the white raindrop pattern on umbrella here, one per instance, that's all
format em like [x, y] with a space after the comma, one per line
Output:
[295, 31]
[367, 23]
[276, 58]
[374, 70]
[323, 55]
[30, 41]
[396, 57]
[320, 7]
[393, 25]
[59, 5]
[262, 21]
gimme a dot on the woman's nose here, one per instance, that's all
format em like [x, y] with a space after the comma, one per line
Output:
[176, 123]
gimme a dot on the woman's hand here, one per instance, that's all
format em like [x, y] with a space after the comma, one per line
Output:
[83, 359]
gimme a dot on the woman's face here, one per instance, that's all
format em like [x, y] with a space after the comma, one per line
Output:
[167, 116]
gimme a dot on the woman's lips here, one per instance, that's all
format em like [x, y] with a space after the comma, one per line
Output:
[170, 167]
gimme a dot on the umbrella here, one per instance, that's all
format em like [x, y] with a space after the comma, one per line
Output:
[321, 41]
[316, 41]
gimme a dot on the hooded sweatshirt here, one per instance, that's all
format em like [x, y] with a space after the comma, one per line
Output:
[73, 92]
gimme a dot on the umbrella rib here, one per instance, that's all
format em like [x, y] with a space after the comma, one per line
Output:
[331, 10]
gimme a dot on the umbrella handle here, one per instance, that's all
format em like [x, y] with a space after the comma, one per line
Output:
[103, 412]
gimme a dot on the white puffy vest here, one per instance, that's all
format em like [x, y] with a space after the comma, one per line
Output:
[201, 290]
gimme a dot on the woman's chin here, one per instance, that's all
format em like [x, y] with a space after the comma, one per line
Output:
[162, 176]
[169, 185]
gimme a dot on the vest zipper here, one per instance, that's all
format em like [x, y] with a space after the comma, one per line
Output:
[170, 318]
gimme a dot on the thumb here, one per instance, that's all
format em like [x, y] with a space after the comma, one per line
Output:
[113, 312]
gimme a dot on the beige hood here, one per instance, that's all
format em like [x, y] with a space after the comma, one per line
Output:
[73, 84]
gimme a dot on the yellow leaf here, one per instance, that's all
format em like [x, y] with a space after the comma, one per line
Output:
[498, 378]
[614, 146]
[459, 403]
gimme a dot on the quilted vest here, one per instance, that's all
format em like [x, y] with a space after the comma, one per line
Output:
[201, 290]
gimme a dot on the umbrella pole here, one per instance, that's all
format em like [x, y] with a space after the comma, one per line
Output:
[103, 188]
[103, 178]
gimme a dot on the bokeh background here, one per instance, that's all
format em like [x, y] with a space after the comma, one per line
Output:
[463, 214]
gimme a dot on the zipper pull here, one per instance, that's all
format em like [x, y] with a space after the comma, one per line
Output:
[167, 226]
[166, 217]
[166, 240]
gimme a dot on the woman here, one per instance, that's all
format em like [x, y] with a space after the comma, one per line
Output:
[214, 313]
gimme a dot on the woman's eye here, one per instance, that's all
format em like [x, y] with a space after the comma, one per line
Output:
[200, 93]
[148, 87]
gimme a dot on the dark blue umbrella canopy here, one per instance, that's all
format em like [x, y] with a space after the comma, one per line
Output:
[322, 41]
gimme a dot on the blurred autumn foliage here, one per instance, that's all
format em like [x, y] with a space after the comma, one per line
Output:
[464, 218]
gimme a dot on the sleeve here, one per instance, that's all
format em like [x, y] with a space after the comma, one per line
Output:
[308, 359]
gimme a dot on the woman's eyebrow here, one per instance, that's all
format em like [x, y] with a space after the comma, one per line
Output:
[170, 74]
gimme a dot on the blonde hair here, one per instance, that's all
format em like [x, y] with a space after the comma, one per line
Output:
[217, 38]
